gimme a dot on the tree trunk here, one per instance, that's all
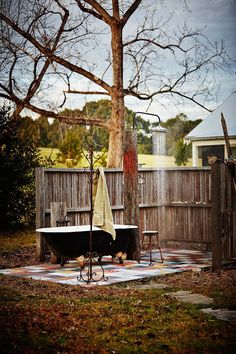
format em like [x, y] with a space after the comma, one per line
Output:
[115, 152]
[116, 128]
[131, 199]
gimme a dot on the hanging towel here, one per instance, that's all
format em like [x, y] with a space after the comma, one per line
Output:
[102, 214]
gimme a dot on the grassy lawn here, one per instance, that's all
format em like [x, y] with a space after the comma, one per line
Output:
[146, 160]
[38, 317]
[42, 317]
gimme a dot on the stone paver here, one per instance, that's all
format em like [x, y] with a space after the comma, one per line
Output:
[152, 286]
[195, 299]
[188, 297]
[221, 314]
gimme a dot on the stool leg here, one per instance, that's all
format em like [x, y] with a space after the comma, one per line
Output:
[162, 259]
[142, 242]
[159, 247]
[150, 249]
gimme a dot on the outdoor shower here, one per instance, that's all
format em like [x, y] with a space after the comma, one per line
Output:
[158, 135]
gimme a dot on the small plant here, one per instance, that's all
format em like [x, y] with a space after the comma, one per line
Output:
[182, 153]
[101, 158]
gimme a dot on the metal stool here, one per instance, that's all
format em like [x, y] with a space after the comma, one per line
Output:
[150, 241]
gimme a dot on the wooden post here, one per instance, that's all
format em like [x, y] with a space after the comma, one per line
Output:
[58, 215]
[216, 216]
[131, 201]
[40, 213]
[226, 136]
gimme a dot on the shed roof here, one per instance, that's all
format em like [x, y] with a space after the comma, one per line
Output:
[211, 128]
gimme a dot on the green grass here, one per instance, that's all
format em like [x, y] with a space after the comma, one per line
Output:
[53, 154]
[156, 161]
[146, 160]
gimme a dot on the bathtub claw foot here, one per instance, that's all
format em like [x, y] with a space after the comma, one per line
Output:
[120, 260]
[64, 261]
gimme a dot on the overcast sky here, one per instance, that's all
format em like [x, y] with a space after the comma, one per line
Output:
[218, 17]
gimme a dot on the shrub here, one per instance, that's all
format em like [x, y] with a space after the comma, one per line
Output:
[18, 158]
[182, 153]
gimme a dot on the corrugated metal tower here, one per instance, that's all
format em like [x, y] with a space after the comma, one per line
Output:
[159, 140]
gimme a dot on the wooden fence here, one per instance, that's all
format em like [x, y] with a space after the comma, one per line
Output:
[175, 201]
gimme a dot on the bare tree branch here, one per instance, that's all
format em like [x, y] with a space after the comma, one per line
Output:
[100, 12]
[49, 53]
[147, 97]
[87, 92]
[159, 45]
[130, 11]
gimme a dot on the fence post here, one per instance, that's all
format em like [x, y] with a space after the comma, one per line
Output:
[131, 201]
[40, 213]
[216, 191]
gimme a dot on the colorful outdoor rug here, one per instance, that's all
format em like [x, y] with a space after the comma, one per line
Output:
[174, 261]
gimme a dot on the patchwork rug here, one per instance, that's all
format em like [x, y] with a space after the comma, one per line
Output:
[113, 272]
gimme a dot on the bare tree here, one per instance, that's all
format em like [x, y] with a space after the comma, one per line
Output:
[51, 49]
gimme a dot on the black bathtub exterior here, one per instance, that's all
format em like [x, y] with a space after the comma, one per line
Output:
[73, 244]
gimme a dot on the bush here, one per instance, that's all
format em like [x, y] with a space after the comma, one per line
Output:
[18, 158]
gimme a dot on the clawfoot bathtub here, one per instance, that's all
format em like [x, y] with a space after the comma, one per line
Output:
[74, 241]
